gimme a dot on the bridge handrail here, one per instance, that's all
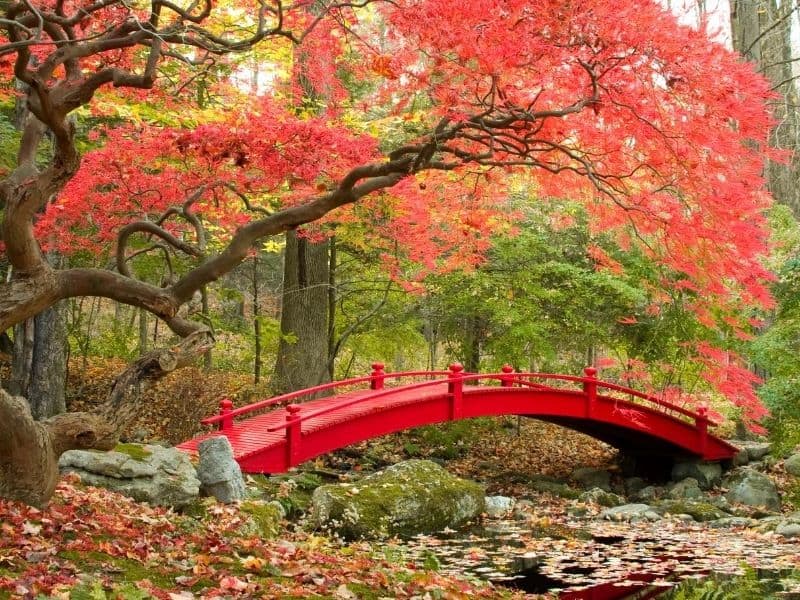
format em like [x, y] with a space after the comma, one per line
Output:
[608, 385]
[377, 394]
[243, 410]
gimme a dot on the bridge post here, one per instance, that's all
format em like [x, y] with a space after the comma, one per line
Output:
[377, 376]
[590, 389]
[225, 408]
[701, 422]
[455, 389]
[506, 380]
[292, 434]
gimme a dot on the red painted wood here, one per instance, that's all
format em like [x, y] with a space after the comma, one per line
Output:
[275, 441]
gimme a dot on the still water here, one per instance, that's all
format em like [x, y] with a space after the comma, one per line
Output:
[600, 560]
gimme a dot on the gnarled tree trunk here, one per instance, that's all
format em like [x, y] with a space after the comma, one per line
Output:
[29, 449]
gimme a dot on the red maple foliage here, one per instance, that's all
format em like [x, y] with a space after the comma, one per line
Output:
[660, 132]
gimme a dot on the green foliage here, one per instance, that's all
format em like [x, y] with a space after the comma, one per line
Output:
[96, 591]
[777, 349]
[752, 585]
[430, 561]
[451, 440]
[10, 137]
[542, 303]
[791, 495]
[781, 396]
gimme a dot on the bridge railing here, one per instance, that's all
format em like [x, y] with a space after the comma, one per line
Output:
[456, 377]
[376, 380]
[524, 379]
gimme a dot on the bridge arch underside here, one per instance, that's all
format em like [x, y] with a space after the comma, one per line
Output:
[636, 430]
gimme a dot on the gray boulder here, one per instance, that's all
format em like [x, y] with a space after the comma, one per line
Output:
[153, 474]
[751, 488]
[741, 458]
[592, 478]
[792, 465]
[685, 489]
[706, 474]
[498, 506]
[788, 530]
[630, 513]
[649, 493]
[219, 473]
[757, 450]
[415, 496]
[633, 485]
[731, 522]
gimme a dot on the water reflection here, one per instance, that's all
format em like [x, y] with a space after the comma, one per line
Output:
[598, 560]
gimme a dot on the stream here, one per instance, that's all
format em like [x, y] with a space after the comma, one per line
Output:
[602, 560]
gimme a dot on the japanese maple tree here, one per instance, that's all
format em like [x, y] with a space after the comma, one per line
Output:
[659, 132]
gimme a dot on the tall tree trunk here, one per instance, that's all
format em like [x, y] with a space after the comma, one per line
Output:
[256, 324]
[303, 348]
[208, 357]
[39, 365]
[762, 33]
[332, 298]
[474, 331]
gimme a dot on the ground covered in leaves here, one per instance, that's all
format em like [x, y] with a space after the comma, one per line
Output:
[93, 544]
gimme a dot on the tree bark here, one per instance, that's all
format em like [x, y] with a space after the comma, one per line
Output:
[762, 33]
[303, 349]
[29, 449]
[39, 365]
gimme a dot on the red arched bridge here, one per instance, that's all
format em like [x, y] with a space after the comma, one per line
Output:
[276, 436]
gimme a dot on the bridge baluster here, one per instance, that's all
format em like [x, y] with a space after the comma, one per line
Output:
[590, 389]
[225, 408]
[292, 434]
[377, 376]
[507, 380]
[701, 422]
[455, 388]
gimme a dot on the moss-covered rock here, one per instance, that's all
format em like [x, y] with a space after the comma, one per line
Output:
[265, 518]
[146, 473]
[602, 498]
[416, 496]
[555, 488]
[699, 511]
[135, 451]
[293, 490]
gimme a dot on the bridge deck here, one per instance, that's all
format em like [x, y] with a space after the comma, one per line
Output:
[251, 436]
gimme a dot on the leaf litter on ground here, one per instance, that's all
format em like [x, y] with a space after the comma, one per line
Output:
[92, 541]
